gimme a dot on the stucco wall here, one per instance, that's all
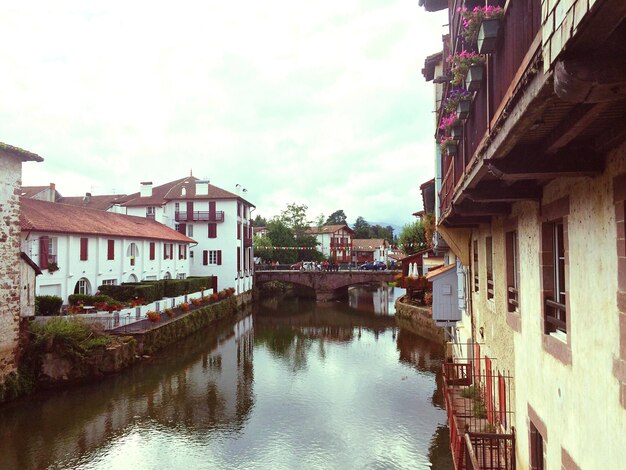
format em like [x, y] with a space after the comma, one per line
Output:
[10, 184]
[578, 402]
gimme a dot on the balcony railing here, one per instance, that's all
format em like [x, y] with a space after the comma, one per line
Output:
[519, 42]
[199, 216]
[478, 401]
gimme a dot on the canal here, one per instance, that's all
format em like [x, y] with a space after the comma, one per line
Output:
[289, 385]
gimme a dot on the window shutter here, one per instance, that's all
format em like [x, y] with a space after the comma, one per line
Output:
[238, 230]
[219, 257]
[83, 249]
[212, 210]
[238, 260]
[43, 252]
[164, 250]
[205, 257]
[111, 250]
[152, 250]
[212, 230]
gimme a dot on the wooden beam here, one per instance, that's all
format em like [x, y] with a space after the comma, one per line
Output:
[518, 192]
[612, 137]
[480, 209]
[573, 125]
[593, 79]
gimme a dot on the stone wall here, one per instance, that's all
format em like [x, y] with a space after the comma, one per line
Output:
[10, 184]
[419, 321]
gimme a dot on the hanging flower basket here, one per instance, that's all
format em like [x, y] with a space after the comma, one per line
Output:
[474, 77]
[460, 64]
[463, 109]
[449, 146]
[454, 98]
[448, 122]
[472, 20]
[456, 131]
[488, 35]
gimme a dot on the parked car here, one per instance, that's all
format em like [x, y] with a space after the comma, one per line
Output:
[297, 266]
[373, 266]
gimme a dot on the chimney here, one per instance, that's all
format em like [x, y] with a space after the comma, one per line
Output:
[87, 198]
[146, 189]
[202, 187]
[52, 193]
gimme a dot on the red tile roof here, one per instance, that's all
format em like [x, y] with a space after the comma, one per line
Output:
[30, 191]
[101, 202]
[173, 191]
[368, 244]
[44, 216]
[329, 229]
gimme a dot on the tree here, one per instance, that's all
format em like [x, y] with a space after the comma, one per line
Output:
[289, 234]
[261, 244]
[361, 228]
[336, 218]
[283, 237]
[259, 221]
[412, 238]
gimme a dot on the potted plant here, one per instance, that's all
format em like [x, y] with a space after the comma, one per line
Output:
[451, 125]
[449, 145]
[52, 267]
[460, 64]
[153, 316]
[474, 77]
[481, 26]
[458, 100]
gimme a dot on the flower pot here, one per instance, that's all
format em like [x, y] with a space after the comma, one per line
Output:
[463, 108]
[452, 149]
[488, 36]
[456, 131]
[474, 77]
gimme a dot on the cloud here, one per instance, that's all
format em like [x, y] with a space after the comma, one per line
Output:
[320, 103]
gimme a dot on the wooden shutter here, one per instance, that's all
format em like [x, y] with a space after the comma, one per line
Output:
[182, 228]
[212, 211]
[219, 257]
[44, 243]
[164, 250]
[238, 230]
[205, 257]
[189, 211]
[502, 399]
[212, 230]
[84, 255]
[152, 250]
[111, 250]
[238, 260]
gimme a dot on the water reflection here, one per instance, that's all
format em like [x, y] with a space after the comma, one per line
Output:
[378, 298]
[289, 386]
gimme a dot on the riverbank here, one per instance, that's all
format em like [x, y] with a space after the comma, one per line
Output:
[57, 363]
[418, 320]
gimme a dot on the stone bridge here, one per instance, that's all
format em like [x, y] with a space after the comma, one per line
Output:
[328, 285]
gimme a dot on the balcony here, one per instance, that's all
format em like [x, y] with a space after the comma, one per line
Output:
[199, 216]
[477, 399]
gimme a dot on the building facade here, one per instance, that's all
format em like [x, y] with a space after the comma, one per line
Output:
[531, 184]
[80, 249]
[219, 221]
[11, 159]
[334, 241]
[370, 249]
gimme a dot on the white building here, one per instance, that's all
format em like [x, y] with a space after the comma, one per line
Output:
[218, 220]
[370, 249]
[80, 249]
[335, 241]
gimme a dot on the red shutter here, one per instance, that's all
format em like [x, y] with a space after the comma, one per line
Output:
[184, 251]
[152, 250]
[164, 250]
[238, 230]
[489, 391]
[212, 211]
[502, 399]
[238, 260]
[190, 211]
[219, 257]
[83, 249]
[212, 230]
[205, 257]
[111, 250]
[43, 252]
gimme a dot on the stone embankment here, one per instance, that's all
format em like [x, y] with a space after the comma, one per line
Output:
[418, 320]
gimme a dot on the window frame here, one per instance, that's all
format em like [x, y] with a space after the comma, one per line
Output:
[489, 266]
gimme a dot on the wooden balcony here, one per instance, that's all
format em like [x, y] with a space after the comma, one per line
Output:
[478, 401]
[199, 216]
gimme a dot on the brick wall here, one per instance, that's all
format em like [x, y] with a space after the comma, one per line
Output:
[10, 183]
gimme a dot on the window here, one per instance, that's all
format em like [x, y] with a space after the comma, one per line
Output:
[84, 255]
[512, 271]
[152, 251]
[554, 281]
[180, 276]
[536, 448]
[182, 251]
[150, 212]
[47, 252]
[132, 253]
[110, 250]
[489, 263]
[82, 287]
[190, 230]
[212, 230]
[109, 282]
[476, 279]
[212, 257]
[168, 251]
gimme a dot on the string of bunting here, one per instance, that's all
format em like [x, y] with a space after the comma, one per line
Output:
[406, 245]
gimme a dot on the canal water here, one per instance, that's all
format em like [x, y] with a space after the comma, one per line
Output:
[290, 385]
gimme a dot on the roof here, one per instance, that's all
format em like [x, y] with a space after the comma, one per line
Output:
[368, 244]
[30, 191]
[437, 272]
[329, 229]
[174, 191]
[23, 155]
[43, 216]
[31, 263]
[428, 196]
[415, 256]
[102, 202]
[429, 65]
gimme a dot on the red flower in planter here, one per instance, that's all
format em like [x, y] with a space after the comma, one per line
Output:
[184, 307]
[153, 316]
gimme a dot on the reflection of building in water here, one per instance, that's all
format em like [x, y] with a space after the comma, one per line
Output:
[371, 298]
[423, 354]
[188, 392]
[332, 333]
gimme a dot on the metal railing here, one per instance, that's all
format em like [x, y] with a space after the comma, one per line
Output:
[489, 451]
[199, 216]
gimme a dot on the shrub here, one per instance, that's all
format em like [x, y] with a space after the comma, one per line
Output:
[76, 336]
[48, 305]
[123, 293]
[428, 298]
[175, 287]
[479, 408]
[84, 299]
[470, 392]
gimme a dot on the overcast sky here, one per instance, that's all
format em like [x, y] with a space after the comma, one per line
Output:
[320, 103]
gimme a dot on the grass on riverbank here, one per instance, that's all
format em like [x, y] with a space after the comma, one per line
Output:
[73, 334]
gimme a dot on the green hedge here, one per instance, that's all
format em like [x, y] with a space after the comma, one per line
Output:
[85, 299]
[150, 291]
[176, 287]
[123, 293]
[48, 305]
